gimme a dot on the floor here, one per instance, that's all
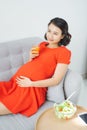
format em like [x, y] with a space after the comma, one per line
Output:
[83, 94]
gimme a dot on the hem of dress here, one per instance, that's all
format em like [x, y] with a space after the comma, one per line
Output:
[8, 107]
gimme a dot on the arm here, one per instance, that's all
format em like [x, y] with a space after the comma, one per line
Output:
[56, 78]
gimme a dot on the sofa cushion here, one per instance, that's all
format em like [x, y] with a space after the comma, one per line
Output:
[55, 93]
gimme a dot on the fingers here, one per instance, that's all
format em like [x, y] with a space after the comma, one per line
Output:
[23, 77]
[36, 49]
[34, 52]
[20, 82]
[23, 81]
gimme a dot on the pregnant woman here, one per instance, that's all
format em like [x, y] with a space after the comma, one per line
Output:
[26, 91]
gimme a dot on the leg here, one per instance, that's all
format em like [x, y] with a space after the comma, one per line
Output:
[4, 110]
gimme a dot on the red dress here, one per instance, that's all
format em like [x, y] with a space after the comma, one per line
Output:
[27, 100]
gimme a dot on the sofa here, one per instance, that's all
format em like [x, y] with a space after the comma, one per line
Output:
[14, 54]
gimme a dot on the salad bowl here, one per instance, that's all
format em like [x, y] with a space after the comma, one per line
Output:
[65, 110]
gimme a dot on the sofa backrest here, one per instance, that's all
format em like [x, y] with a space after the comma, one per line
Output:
[13, 54]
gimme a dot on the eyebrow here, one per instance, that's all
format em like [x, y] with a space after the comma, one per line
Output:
[54, 31]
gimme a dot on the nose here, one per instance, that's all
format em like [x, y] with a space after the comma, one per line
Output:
[51, 36]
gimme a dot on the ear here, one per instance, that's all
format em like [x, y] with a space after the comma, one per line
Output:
[62, 36]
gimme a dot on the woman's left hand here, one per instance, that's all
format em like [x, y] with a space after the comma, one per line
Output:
[23, 81]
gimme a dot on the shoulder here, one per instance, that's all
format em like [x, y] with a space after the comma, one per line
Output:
[43, 43]
[64, 50]
[63, 55]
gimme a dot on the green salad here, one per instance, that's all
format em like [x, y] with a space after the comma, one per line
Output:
[65, 110]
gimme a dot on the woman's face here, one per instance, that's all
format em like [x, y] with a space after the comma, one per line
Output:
[54, 34]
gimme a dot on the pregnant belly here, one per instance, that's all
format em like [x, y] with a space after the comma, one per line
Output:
[31, 71]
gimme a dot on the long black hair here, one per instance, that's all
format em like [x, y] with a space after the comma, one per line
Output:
[62, 24]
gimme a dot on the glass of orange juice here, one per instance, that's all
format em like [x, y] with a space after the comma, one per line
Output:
[35, 49]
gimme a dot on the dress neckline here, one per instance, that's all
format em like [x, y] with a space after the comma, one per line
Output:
[46, 43]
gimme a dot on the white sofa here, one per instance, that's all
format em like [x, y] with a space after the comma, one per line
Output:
[12, 55]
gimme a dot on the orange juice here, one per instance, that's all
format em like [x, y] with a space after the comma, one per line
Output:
[35, 50]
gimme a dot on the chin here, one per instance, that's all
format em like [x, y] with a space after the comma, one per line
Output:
[50, 41]
[53, 42]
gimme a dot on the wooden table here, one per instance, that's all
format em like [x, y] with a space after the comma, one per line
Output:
[48, 121]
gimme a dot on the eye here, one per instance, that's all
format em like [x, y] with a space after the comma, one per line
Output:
[55, 33]
[48, 31]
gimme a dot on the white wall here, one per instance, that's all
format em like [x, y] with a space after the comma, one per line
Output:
[27, 18]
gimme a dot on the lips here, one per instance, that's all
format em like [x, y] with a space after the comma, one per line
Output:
[50, 40]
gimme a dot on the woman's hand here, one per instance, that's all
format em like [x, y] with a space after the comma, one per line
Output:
[23, 81]
[34, 52]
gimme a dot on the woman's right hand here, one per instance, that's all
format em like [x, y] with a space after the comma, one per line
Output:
[34, 52]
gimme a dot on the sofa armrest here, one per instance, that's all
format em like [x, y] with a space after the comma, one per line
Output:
[55, 93]
[72, 82]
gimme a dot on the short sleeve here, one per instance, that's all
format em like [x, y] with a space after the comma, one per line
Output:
[42, 45]
[64, 56]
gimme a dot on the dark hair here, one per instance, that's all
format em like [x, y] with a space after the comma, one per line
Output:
[62, 24]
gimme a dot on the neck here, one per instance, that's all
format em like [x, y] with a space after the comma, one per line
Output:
[52, 45]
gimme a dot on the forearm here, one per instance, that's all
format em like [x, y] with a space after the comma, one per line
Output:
[45, 83]
[56, 79]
